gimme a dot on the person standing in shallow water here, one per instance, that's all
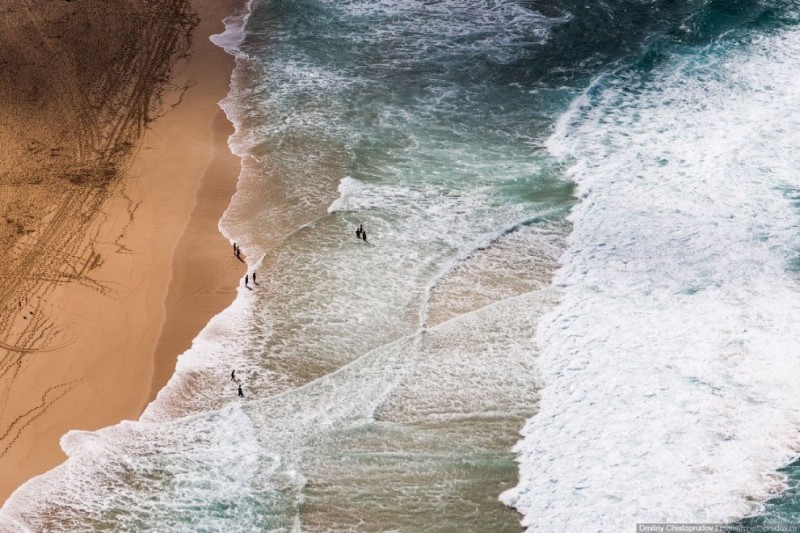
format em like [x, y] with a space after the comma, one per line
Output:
[241, 394]
[364, 235]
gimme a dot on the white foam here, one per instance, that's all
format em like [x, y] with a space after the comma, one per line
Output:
[670, 368]
[233, 35]
[451, 27]
[242, 464]
[316, 308]
[348, 188]
[147, 477]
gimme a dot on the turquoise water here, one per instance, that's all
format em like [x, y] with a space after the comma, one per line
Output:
[784, 509]
[577, 229]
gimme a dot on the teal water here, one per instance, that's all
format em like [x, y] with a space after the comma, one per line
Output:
[635, 151]
[782, 510]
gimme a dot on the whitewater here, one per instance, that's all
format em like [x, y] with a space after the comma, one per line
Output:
[577, 308]
[670, 367]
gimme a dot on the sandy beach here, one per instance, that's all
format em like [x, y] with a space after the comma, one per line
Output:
[115, 173]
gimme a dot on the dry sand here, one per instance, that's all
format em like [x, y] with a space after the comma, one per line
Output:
[114, 174]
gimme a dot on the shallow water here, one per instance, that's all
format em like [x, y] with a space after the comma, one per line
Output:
[643, 153]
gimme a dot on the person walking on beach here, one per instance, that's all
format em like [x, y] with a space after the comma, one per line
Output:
[246, 279]
[235, 249]
[233, 375]
[254, 279]
[241, 394]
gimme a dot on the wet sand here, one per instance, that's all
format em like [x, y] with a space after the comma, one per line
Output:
[115, 173]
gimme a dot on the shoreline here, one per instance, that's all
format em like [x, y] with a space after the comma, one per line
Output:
[165, 268]
[201, 284]
[204, 272]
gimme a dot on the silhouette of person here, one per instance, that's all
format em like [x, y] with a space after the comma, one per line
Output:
[241, 394]
[364, 235]
[246, 279]
[254, 278]
[358, 233]
[234, 249]
[233, 375]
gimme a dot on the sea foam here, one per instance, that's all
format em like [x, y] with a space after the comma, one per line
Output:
[670, 367]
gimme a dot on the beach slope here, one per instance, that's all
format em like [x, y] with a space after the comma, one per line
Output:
[115, 171]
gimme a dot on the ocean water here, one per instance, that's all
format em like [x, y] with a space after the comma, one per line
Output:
[577, 307]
